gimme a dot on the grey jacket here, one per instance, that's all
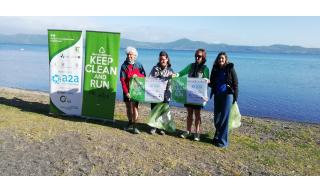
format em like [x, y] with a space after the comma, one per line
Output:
[163, 74]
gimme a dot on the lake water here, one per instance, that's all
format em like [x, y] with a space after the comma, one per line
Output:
[280, 86]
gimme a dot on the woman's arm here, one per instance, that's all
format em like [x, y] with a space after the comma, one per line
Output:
[235, 83]
[123, 76]
[184, 71]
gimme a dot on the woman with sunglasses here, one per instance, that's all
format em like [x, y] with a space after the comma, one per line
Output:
[197, 69]
[224, 87]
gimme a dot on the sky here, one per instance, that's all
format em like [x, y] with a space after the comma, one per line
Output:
[233, 30]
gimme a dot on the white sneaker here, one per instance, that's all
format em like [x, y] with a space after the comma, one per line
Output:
[162, 132]
[153, 131]
[196, 137]
[185, 135]
[136, 131]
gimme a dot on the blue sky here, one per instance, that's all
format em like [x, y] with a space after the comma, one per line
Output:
[303, 31]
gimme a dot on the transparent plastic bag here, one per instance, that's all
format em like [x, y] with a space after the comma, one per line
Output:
[161, 118]
[234, 117]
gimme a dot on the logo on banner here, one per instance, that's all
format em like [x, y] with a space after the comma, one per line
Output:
[101, 50]
[68, 56]
[56, 79]
[100, 67]
[53, 35]
[65, 99]
[65, 79]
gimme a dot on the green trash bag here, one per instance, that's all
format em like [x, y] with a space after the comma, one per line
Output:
[234, 117]
[161, 118]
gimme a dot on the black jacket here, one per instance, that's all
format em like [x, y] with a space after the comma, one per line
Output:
[231, 80]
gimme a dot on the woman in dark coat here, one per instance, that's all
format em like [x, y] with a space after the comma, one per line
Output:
[224, 87]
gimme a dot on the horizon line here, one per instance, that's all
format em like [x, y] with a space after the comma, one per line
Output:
[184, 38]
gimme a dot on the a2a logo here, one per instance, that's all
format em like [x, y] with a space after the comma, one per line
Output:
[68, 79]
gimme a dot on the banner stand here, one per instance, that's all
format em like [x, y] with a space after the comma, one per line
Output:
[83, 86]
[100, 74]
[65, 71]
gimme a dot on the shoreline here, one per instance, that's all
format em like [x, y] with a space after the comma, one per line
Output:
[33, 142]
[40, 92]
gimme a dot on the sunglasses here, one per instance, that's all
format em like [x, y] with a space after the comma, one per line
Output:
[199, 56]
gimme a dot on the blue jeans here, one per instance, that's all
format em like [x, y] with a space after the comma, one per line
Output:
[222, 106]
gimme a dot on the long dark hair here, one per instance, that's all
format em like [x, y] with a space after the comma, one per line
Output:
[218, 56]
[163, 53]
[204, 55]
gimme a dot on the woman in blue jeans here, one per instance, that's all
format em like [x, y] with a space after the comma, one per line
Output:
[224, 87]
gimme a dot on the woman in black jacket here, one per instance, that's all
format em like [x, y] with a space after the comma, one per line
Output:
[224, 87]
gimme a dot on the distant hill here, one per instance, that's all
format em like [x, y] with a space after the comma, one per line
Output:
[181, 44]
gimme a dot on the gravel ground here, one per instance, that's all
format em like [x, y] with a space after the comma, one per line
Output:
[35, 143]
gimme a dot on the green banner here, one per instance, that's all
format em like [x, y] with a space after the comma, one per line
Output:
[100, 74]
[179, 87]
[137, 89]
[188, 90]
[65, 66]
[147, 89]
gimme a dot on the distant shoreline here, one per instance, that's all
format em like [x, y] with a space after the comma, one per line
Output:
[179, 44]
[192, 49]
